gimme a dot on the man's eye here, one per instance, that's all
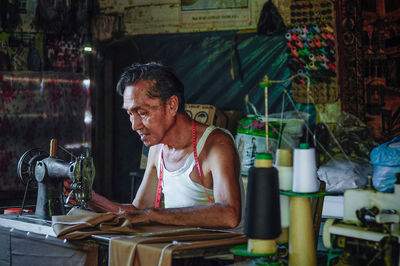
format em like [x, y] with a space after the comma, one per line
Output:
[142, 113]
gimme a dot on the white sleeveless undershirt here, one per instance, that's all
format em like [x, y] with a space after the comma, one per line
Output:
[178, 189]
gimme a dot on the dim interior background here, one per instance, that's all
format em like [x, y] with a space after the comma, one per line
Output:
[52, 88]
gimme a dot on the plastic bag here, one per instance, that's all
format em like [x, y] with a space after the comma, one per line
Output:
[250, 139]
[350, 137]
[270, 22]
[293, 131]
[341, 174]
[386, 161]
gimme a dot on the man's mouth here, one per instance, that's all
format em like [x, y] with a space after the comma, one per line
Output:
[142, 136]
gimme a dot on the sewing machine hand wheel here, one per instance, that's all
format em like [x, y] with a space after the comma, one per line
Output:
[26, 165]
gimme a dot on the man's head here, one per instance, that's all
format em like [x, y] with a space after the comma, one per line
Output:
[166, 83]
[150, 98]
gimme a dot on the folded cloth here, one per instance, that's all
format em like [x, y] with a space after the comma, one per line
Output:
[150, 245]
[79, 223]
[157, 249]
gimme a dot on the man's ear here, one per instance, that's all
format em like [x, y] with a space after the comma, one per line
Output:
[172, 104]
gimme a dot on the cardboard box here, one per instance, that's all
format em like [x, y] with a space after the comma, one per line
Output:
[207, 114]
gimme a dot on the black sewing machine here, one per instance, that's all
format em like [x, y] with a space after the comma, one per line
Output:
[50, 172]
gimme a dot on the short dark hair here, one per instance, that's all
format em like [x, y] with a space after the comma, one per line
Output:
[166, 83]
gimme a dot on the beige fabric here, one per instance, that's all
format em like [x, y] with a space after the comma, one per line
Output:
[146, 244]
[146, 250]
[79, 223]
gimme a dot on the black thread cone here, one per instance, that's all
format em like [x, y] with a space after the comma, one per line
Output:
[262, 213]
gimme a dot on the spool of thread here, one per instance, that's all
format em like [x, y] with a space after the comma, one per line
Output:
[316, 28]
[294, 51]
[262, 223]
[328, 28]
[305, 170]
[331, 44]
[306, 51]
[303, 35]
[317, 42]
[301, 52]
[285, 211]
[301, 235]
[284, 157]
[285, 218]
[324, 65]
[323, 51]
[331, 66]
[53, 147]
[324, 58]
[299, 44]
[312, 66]
[284, 164]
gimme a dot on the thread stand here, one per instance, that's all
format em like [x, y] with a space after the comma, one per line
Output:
[302, 241]
[272, 259]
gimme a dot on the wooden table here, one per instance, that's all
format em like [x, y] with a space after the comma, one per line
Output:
[19, 234]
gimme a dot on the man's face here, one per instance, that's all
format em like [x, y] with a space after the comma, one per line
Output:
[148, 116]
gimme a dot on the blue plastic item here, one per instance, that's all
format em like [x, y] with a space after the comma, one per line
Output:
[386, 161]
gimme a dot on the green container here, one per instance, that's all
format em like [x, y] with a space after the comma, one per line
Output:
[254, 125]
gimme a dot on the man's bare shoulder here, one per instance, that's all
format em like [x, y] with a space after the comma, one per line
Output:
[223, 134]
[220, 139]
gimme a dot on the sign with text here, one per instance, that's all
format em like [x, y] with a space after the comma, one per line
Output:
[215, 12]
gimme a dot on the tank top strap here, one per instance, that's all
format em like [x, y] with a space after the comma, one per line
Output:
[200, 145]
[160, 161]
[204, 137]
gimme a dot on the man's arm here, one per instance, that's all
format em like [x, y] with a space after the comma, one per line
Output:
[146, 194]
[97, 202]
[102, 204]
[145, 197]
[221, 159]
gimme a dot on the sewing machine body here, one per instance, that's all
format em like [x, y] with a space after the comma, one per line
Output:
[50, 172]
[356, 199]
[369, 231]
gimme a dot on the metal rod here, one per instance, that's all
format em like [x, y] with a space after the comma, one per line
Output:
[23, 201]
[67, 151]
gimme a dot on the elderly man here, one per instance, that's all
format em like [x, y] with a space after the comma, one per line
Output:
[192, 169]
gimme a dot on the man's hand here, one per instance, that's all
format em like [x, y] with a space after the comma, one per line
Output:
[134, 216]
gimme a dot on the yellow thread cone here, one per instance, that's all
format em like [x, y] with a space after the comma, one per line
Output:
[261, 246]
[284, 157]
[301, 234]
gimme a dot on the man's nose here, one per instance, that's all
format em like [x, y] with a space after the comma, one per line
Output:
[136, 122]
